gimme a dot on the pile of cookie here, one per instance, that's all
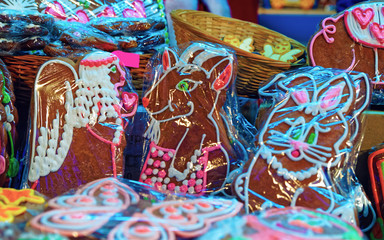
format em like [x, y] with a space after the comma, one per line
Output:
[24, 31]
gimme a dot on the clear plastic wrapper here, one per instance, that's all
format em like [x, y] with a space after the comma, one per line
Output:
[127, 26]
[192, 146]
[111, 208]
[352, 40]
[79, 112]
[9, 165]
[307, 144]
[291, 223]
[24, 31]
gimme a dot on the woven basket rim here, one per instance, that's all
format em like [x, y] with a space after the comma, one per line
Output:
[177, 18]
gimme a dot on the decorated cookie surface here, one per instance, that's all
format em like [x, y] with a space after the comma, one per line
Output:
[78, 114]
[306, 141]
[190, 151]
[352, 40]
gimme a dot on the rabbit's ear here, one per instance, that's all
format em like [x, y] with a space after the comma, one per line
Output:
[169, 59]
[224, 78]
[332, 97]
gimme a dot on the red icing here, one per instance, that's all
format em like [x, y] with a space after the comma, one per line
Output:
[170, 209]
[156, 164]
[145, 101]
[378, 31]
[198, 188]
[171, 186]
[113, 200]
[162, 173]
[148, 171]
[56, 10]
[224, 78]
[176, 217]
[184, 188]
[200, 174]
[363, 17]
[107, 12]
[204, 205]
[2, 164]
[142, 229]
[295, 153]
[191, 182]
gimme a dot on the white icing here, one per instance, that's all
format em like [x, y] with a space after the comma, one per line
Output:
[51, 151]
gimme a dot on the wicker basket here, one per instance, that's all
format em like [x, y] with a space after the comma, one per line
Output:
[191, 25]
[24, 69]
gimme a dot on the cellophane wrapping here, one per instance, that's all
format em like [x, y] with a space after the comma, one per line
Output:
[196, 139]
[79, 113]
[310, 131]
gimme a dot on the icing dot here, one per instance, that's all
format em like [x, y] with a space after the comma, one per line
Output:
[77, 216]
[184, 188]
[154, 154]
[171, 186]
[109, 187]
[160, 153]
[142, 229]
[166, 180]
[155, 171]
[191, 190]
[295, 153]
[164, 187]
[170, 154]
[154, 179]
[113, 200]
[143, 176]
[199, 181]
[204, 205]
[176, 217]
[177, 189]
[188, 206]
[191, 182]
[109, 193]
[197, 152]
[185, 182]
[148, 171]
[156, 164]
[148, 181]
[166, 157]
[150, 161]
[193, 175]
[162, 174]
[170, 209]
[198, 167]
[158, 185]
[198, 188]
[194, 159]
[86, 200]
[162, 164]
[159, 179]
[200, 174]
[153, 149]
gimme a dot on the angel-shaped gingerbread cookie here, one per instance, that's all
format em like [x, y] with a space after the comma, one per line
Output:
[77, 122]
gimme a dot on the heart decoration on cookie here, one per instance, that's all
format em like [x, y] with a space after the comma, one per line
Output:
[363, 17]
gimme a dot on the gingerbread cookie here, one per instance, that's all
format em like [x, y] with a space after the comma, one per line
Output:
[352, 40]
[190, 151]
[127, 26]
[306, 141]
[78, 118]
[80, 35]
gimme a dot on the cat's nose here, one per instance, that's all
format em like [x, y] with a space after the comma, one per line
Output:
[145, 101]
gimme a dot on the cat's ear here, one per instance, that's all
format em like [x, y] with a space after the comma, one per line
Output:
[301, 96]
[169, 58]
[363, 87]
[224, 78]
[331, 98]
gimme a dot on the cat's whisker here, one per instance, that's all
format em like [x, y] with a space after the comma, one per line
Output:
[278, 144]
[326, 154]
[279, 138]
[327, 149]
[318, 157]
[274, 132]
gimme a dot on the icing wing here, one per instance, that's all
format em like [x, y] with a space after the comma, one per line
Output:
[52, 105]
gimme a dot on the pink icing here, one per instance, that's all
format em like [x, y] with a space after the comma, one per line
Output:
[148, 171]
[301, 96]
[56, 9]
[162, 173]
[298, 144]
[378, 31]
[331, 97]
[363, 17]
[2, 164]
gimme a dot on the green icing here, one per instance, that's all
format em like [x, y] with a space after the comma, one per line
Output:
[13, 163]
[311, 138]
[6, 98]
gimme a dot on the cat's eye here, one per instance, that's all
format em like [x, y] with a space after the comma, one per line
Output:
[296, 134]
[113, 69]
[187, 85]
[311, 138]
